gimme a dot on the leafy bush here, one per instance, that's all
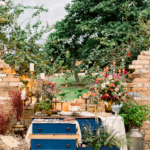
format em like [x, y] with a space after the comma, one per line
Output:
[134, 114]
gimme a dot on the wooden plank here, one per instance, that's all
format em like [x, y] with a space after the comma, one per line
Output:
[49, 117]
[53, 136]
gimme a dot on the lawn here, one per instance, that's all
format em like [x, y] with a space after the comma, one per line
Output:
[71, 86]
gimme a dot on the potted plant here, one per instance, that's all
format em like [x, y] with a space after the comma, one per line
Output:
[134, 115]
[101, 139]
[44, 106]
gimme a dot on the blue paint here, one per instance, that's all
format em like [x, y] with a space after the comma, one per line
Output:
[53, 128]
[102, 148]
[89, 121]
[50, 144]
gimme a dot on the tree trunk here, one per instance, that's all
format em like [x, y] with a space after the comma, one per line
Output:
[73, 67]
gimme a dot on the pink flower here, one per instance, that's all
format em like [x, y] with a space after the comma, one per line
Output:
[94, 94]
[83, 145]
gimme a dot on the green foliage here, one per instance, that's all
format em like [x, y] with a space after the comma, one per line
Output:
[133, 114]
[44, 105]
[20, 46]
[63, 94]
[103, 137]
[98, 32]
[79, 92]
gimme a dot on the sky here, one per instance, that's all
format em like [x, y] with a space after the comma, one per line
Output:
[55, 13]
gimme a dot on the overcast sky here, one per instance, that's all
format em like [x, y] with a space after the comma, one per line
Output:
[55, 12]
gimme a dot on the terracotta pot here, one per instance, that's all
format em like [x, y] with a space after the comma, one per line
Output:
[44, 112]
[109, 109]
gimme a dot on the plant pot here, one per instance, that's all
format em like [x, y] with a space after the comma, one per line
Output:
[137, 137]
[109, 109]
[43, 111]
[101, 148]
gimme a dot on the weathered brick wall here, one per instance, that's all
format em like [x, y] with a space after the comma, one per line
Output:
[7, 81]
[141, 84]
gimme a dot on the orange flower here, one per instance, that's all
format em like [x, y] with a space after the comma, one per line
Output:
[111, 89]
[107, 88]
[121, 92]
[106, 91]
[94, 94]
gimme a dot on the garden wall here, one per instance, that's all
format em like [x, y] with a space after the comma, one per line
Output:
[141, 85]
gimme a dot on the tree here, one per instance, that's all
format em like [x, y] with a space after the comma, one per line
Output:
[20, 46]
[105, 18]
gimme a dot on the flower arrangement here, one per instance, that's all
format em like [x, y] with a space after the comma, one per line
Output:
[46, 89]
[109, 88]
[134, 114]
[104, 136]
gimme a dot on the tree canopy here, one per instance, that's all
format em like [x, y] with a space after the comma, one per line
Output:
[93, 27]
[20, 46]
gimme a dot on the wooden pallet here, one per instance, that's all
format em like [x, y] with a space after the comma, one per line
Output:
[53, 136]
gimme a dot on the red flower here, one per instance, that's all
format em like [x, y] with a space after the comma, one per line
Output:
[128, 54]
[106, 75]
[125, 72]
[104, 96]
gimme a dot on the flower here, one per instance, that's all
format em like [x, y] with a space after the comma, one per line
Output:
[125, 72]
[94, 94]
[108, 82]
[128, 54]
[104, 96]
[83, 145]
[106, 104]
[117, 89]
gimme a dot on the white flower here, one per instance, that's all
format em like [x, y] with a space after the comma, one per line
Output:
[119, 94]
[106, 104]
[110, 77]
[112, 80]
[107, 82]
[103, 85]
[119, 86]
[123, 98]
[117, 89]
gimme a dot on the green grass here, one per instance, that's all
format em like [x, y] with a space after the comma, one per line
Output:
[72, 86]
[71, 96]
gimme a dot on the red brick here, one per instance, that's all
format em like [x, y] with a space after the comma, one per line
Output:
[11, 79]
[141, 80]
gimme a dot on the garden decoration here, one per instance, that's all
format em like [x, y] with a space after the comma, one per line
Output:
[101, 139]
[109, 88]
[48, 91]
[134, 115]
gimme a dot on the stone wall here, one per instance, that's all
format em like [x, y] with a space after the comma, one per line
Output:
[141, 85]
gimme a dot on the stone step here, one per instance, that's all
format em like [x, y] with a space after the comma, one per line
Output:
[141, 62]
[140, 57]
[145, 53]
[4, 66]
[139, 66]
[141, 80]
[141, 71]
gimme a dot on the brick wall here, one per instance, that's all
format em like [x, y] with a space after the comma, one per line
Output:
[141, 84]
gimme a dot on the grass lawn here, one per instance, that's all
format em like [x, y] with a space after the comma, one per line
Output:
[72, 86]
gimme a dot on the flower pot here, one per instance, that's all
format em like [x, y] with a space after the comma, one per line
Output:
[101, 148]
[137, 137]
[44, 112]
[109, 109]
